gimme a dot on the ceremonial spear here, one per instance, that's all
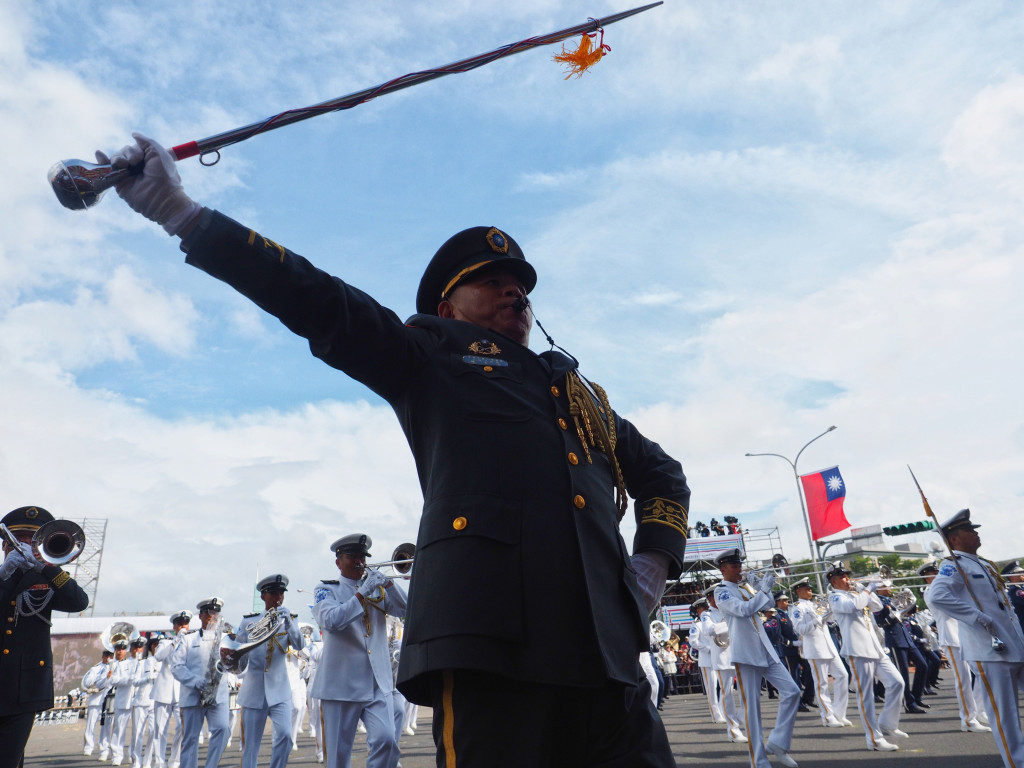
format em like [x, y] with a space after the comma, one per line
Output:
[79, 184]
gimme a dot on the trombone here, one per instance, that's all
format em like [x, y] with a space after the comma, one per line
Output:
[57, 542]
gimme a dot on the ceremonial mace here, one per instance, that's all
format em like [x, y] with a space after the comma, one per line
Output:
[79, 184]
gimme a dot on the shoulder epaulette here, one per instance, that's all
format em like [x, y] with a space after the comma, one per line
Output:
[250, 615]
[330, 581]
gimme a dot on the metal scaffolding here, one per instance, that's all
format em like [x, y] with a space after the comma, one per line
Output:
[86, 568]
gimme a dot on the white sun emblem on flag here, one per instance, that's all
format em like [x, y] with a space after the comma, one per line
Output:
[834, 483]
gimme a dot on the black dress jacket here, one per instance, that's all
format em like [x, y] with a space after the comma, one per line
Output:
[518, 551]
[26, 660]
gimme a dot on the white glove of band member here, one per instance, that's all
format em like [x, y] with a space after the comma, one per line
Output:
[651, 574]
[369, 587]
[873, 586]
[987, 623]
[156, 192]
[767, 582]
[20, 559]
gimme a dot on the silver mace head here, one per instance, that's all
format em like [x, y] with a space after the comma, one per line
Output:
[79, 184]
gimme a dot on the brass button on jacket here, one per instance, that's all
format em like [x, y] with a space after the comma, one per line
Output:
[579, 502]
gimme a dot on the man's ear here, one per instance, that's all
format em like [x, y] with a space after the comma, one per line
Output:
[446, 310]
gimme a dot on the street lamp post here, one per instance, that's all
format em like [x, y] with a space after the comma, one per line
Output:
[800, 495]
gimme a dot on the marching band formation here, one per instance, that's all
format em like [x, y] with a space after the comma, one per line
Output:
[225, 682]
[863, 639]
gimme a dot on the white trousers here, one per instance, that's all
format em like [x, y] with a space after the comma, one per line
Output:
[192, 720]
[142, 727]
[412, 711]
[339, 731]
[726, 678]
[92, 719]
[1000, 681]
[748, 681]
[711, 690]
[121, 718]
[832, 706]
[962, 682]
[298, 712]
[163, 715]
[864, 673]
[254, 722]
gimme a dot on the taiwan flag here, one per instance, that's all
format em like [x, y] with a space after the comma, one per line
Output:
[824, 492]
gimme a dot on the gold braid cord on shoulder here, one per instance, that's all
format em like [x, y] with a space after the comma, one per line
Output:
[594, 430]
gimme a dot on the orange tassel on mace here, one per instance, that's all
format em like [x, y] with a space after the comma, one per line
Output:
[583, 58]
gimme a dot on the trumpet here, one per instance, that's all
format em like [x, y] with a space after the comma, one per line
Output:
[779, 566]
[400, 562]
[57, 542]
[882, 578]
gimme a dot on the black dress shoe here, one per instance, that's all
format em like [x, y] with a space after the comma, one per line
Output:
[929, 692]
[803, 708]
[916, 710]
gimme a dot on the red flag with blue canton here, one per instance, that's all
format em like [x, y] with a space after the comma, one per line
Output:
[824, 492]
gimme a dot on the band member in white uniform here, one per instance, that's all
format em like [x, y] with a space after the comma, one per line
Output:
[312, 653]
[267, 688]
[817, 648]
[166, 691]
[949, 640]
[96, 684]
[970, 589]
[715, 628]
[868, 660]
[354, 680]
[123, 689]
[193, 665]
[755, 659]
[700, 643]
[146, 669]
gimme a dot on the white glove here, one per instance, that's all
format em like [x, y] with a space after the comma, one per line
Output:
[753, 580]
[156, 192]
[373, 580]
[767, 582]
[873, 586]
[987, 623]
[20, 559]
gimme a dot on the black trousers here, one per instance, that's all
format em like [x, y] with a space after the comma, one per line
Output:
[14, 733]
[484, 721]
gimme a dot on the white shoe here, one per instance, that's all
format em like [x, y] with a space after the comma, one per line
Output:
[832, 723]
[845, 722]
[975, 727]
[87, 752]
[228, 744]
[895, 732]
[407, 731]
[719, 720]
[360, 728]
[116, 761]
[738, 738]
[104, 756]
[782, 755]
[883, 746]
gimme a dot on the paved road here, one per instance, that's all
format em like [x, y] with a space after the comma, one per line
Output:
[935, 741]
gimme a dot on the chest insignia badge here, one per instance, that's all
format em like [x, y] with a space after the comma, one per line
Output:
[484, 347]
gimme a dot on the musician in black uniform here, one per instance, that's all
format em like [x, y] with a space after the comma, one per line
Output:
[29, 592]
[524, 469]
[797, 666]
[904, 650]
[1013, 574]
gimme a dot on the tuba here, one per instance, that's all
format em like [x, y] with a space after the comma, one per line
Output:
[660, 633]
[57, 542]
[118, 632]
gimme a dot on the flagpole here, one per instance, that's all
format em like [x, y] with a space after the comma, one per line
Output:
[803, 502]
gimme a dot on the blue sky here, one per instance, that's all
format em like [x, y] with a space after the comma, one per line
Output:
[750, 221]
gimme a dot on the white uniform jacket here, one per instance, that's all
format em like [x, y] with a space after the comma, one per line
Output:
[815, 639]
[698, 640]
[142, 679]
[166, 689]
[311, 652]
[355, 652]
[189, 665]
[122, 682]
[711, 620]
[949, 594]
[747, 639]
[853, 612]
[266, 667]
[97, 678]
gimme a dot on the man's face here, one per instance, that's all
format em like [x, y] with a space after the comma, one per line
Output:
[485, 298]
[842, 583]
[782, 604]
[929, 577]
[804, 593]
[711, 600]
[208, 618]
[966, 540]
[179, 625]
[1015, 578]
[351, 565]
[272, 597]
[120, 653]
[731, 571]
